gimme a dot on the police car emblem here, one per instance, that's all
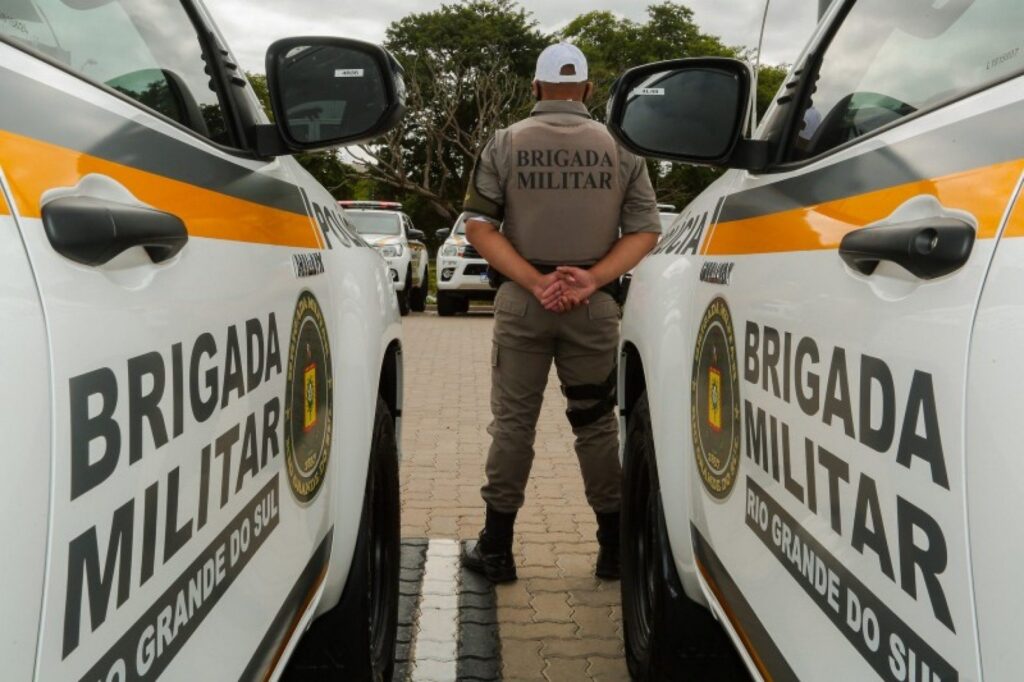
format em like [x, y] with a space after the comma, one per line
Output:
[715, 401]
[309, 400]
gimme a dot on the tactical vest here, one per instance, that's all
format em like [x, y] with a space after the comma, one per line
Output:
[564, 194]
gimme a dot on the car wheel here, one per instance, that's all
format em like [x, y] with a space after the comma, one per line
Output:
[418, 296]
[667, 635]
[356, 639]
[403, 295]
[447, 305]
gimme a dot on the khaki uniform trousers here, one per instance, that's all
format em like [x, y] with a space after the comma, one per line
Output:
[583, 344]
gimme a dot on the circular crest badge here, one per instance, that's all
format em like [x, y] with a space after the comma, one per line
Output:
[715, 401]
[309, 401]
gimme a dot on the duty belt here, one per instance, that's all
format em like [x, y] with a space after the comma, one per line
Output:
[613, 288]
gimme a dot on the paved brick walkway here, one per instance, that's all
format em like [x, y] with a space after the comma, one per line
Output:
[557, 622]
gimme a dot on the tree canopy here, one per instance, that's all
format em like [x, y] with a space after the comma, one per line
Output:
[468, 67]
[614, 44]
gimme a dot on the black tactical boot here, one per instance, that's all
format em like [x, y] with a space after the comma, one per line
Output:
[491, 555]
[608, 541]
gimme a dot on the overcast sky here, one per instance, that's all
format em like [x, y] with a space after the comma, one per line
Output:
[251, 25]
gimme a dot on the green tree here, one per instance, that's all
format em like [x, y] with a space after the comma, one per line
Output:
[468, 67]
[258, 81]
[614, 44]
[769, 80]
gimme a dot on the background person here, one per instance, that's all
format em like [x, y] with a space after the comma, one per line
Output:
[561, 211]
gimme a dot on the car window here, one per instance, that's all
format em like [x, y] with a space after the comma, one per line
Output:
[147, 50]
[891, 59]
[460, 226]
[374, 222]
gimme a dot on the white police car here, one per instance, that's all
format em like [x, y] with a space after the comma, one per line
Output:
[667, 214]
[201, 364]
[820, 372]
[461, 272]
[383, 225]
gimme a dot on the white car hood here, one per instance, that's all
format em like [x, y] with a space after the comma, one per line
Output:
[381, 239]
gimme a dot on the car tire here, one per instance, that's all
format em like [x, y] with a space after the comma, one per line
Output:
[463, 303]
[356, 639]
[667, 635]
[418, 296]
[403, 295]
[447, 305]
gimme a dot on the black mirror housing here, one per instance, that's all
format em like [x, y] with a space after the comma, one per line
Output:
[442, 234]
[687, 110]
[327, 92]
[417, 235]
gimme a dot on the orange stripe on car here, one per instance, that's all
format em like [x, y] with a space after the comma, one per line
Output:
[1015, 223]
[981, 192]
[306, 603]
[737, 626]
[33, 167]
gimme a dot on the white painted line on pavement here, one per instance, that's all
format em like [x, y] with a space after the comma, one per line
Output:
[436, 645]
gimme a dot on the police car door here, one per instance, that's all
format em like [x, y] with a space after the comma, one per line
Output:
[846, 279]
[164, 259]
[25, 484]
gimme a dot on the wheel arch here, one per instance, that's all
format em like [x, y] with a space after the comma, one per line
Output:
[634, 381]
[380, 376]
[390, 386]
[684, 611]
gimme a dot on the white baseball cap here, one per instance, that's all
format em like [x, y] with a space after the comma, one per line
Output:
[555, 57]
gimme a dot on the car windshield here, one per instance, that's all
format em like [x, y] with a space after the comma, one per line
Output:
[460, 226]
[375, 222]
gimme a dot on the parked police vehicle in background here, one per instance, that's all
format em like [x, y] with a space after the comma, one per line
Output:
[201, 362]
[386, 228]
[461, 272]
[667, 214]
[820, 372]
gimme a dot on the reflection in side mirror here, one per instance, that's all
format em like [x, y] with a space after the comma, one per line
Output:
[165, 91]
[690, 110]
[442, 235]
[684, 112]
[326, 92]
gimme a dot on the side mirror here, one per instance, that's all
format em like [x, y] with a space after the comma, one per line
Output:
[441, 236]
[417, 235]
[328, 92]
[689, 110]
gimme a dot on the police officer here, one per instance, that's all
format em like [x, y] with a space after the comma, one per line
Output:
[560, 212]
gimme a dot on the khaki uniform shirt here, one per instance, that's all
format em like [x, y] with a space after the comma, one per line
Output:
[560, 187]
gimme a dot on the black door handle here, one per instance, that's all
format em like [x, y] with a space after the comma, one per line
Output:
[92, 231]
[927, 248]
